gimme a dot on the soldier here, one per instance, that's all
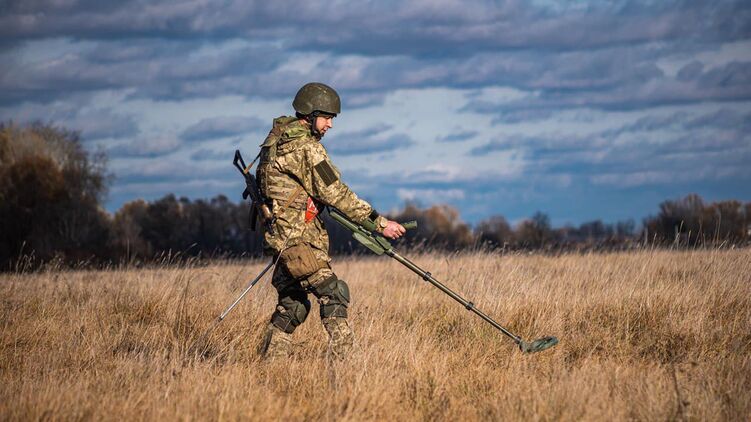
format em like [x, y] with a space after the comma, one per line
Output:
[297, 178]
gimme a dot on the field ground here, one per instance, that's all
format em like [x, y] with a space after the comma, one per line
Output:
[653, 335]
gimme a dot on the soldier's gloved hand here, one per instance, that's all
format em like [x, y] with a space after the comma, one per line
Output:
[393, 230]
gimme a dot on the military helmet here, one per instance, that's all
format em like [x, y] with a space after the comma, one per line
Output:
[315, 96]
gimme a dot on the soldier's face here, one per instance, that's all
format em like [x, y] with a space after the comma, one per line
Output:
[323, 124]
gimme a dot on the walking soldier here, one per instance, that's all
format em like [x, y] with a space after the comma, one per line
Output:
[297, 178]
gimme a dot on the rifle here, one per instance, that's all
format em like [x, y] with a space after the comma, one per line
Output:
[251, 189]
[257, 202]
[366, 234]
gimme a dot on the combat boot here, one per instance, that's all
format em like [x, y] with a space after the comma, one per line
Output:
[341, 337]
[277, 343]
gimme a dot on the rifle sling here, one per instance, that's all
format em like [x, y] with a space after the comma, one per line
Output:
[292, 197]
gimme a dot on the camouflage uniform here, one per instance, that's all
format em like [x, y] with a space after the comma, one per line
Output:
[297, 179]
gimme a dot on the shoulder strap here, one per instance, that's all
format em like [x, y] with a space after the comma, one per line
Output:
[293, 196]
[275, 184]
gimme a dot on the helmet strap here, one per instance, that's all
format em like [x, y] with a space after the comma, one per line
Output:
[311, 118]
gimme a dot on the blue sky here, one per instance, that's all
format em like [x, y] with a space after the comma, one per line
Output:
[582, 110]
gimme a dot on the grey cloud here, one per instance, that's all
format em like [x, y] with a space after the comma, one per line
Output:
[149, 68]
[616, 77]
[492, 146]
[159, 170]
[635, 179]
[418, 28]
[221, 127]
[562, 55]
[698, 146]
[688, 155]
[723, 118]
[481, 106]
[651, 123]
[361, 133]
[460, 136]
[654, 122]
[599, 57]
[211, 155]
[141, 51]
[690, 71]
[550, 75]
[361, 100]
[93, 124]
[518, 116]
[144, 147]
[734, 75]
[542, 147]
[100, 124]
[367, 141]
[370, 146]
[725, 83]
[463, 28]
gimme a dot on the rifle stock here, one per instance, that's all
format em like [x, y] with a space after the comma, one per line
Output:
[258, 205]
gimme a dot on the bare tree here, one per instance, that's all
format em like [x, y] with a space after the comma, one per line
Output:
[494, 231]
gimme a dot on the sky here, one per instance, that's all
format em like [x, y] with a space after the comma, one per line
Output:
[580, 109]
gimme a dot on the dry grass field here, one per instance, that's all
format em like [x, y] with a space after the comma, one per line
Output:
[653, 335]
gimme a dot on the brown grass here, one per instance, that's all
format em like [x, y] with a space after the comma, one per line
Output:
[647, 336]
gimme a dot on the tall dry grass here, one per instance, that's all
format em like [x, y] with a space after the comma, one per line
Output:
[647, 336]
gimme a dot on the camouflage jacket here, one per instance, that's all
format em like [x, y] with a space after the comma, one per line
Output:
[294, 166]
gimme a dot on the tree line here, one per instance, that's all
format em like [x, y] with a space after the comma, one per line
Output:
[52, 189]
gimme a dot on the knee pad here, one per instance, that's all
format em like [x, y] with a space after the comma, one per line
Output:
[333, 295]
[290, 313]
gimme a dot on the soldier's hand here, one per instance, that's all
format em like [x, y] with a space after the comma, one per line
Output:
[394, 230]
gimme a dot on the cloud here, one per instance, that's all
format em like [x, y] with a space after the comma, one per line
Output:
[650, 72]
[362, 100]
[545, 148]
[160, 170]
[179, 51]
[211, 155]
[459, 136]
[652, 123]
[690, 71]
[367, 141]
[624, 90]
[518, 116]
[492, 146]
[723, 118]
[418, 27]
[93, 123]
[436, 176]
[103, 123]
[145, 147]
[642, 159]
[431, 196]
[706, 148]
[221, 127]
[371, 145]
[48, 70]
[668, 177]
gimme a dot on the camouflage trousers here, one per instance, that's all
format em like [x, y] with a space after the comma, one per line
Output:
[293, 307]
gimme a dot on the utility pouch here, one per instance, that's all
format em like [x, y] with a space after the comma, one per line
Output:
[300, 261]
